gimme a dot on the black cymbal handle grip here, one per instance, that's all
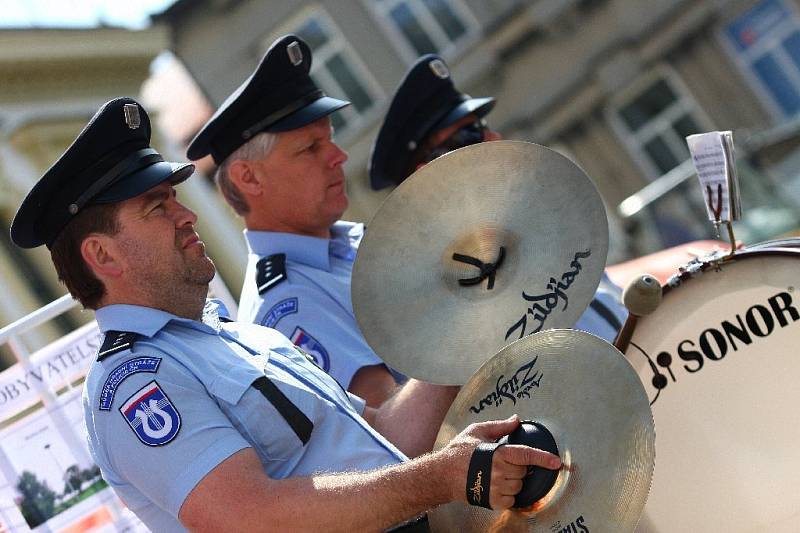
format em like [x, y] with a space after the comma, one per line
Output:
[538, 482]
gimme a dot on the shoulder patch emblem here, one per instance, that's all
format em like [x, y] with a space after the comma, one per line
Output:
[151, 415]
[270, 271]
[278, 311]
[312, 347]
[116, 341]
[119, 374]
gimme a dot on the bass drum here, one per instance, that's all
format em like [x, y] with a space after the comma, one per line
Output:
[720, 361]
[789, 242]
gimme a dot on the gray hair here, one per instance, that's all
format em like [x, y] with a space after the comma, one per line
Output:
[255, 149]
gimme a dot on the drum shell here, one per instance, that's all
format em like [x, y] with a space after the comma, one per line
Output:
[723, 345]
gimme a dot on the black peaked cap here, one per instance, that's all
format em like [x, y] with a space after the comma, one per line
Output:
[278, 96]
[110, 161]
[425, 101]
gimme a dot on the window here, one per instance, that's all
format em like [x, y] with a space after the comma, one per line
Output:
[653, 119]
[337, 70]
[765, 43]
[426, 26]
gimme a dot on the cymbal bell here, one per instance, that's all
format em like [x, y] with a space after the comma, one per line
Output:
[590, 398]
[480, 247]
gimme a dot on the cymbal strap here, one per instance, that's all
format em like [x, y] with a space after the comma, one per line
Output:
[479, 474]
[488, 270]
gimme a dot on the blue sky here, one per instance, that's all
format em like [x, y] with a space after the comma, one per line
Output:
[78, 13]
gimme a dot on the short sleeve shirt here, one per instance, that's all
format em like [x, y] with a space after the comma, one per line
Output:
[162, 414]
[312, 305]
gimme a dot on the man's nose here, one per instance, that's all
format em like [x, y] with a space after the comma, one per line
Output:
[339, 156]
[184, 216]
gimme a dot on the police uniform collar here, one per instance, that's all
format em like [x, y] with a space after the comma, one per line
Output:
[278, 96]
[145, 321]
[311, 251]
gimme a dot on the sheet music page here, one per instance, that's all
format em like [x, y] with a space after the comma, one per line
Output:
[713, 160]
[733, 180]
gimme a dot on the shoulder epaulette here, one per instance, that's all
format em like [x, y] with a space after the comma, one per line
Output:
[270, 271]
[116, 341]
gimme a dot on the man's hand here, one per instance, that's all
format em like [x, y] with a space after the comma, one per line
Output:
[509, 463]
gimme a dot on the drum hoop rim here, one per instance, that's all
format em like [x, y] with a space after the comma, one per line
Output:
[745, 253]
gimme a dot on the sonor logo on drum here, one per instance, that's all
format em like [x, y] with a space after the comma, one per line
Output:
[714, 343]
[517, 387]
[544, 304]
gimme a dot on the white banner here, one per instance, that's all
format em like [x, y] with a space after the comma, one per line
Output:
[48, 481]
[51, 368]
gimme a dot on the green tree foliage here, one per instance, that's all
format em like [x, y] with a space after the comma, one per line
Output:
[73, 478]
[38, 500]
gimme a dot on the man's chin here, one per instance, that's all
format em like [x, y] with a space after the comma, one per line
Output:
[203, 270]
[341, 205]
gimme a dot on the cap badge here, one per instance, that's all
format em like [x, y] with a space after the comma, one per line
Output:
[439, 69]
[132, 118]
[295, 53]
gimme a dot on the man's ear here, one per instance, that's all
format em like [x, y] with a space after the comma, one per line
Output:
[243, 174]
[99, 252]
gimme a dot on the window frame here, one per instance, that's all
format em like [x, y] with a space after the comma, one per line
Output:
[744, 59]
[379, 9]
[634, 142]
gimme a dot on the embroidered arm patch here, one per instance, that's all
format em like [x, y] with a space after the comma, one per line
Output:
[151, 415]
[119, 374]
[280, 310]
[312, 347]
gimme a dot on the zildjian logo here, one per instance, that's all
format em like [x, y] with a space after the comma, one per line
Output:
[544, 304]
[516, 387]
[477, 488]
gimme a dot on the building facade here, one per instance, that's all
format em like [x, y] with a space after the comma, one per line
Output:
[52, 81]
[614, 84]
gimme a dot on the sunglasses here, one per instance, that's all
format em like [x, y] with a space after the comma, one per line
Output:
[472, 133]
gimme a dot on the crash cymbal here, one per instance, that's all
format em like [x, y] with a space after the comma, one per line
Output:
[591, 400]
[525, 216]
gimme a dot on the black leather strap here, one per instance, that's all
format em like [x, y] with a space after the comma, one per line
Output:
[296, 419]
[479, 474]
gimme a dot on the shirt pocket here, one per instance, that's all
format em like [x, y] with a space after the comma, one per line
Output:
[264, 423]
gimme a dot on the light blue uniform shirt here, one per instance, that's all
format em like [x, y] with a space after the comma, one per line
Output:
[164, 413]
[605, 314]
[312, 306]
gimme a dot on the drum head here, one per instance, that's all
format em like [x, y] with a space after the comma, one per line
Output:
[719, 361]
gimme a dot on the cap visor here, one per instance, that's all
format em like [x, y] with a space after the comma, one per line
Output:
[476, 106]
[310, 113]
[144, 180]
